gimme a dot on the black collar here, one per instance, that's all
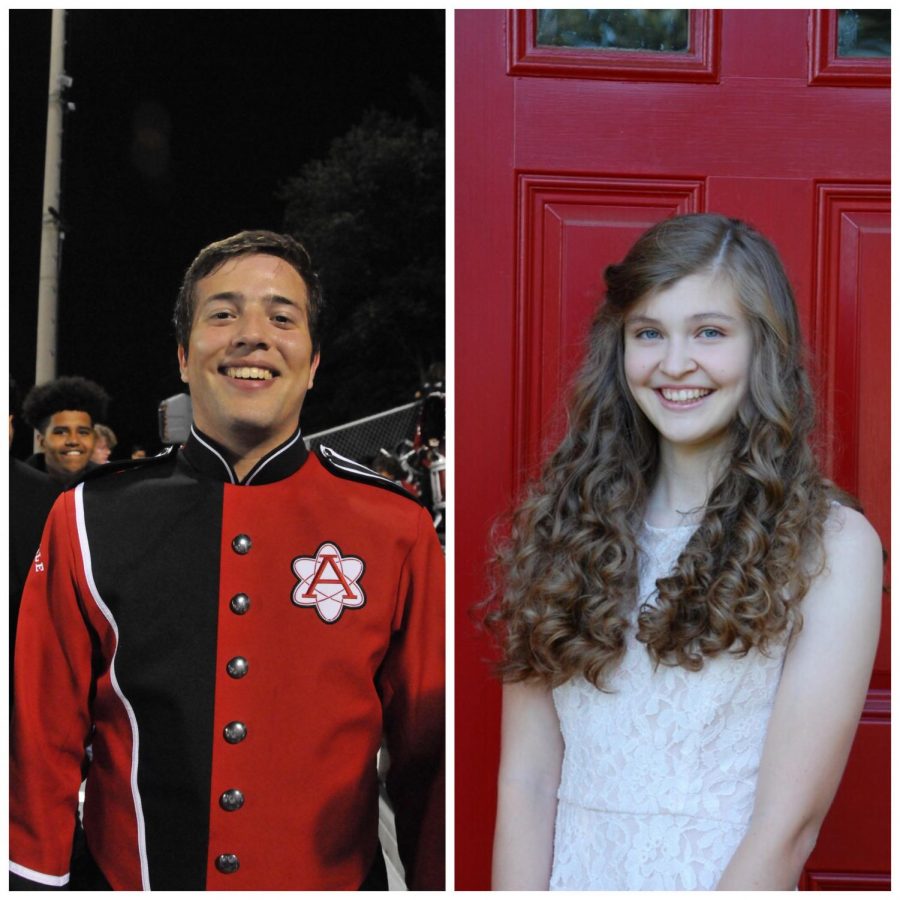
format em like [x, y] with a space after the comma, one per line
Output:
[209, 457]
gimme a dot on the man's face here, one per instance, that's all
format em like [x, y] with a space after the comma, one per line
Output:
[67, 442]
[249, 362]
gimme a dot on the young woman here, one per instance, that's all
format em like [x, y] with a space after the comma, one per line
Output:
[688, 609]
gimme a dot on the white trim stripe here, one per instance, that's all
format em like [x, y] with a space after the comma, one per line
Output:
[39, 877]
[89, 575]
[269, 459]
[212, 449]
[354, 467]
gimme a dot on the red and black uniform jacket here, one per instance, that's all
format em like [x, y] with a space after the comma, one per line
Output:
[232, 653]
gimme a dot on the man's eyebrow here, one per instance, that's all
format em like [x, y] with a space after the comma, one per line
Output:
[222, 295]
[277, 298]
[236, 296]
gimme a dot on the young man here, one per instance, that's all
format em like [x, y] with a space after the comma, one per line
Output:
[63, 413]
[236, 626]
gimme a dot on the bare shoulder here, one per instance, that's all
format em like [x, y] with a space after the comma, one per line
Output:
[849, 537]
[853, 569]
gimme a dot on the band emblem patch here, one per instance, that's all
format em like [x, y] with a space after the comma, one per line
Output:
[329, 581]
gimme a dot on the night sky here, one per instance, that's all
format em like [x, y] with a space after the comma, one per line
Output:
[186, 124]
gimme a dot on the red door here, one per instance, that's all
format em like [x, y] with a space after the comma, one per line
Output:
[563, 156]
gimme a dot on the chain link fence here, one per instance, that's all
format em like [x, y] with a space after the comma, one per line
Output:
[405, 444]
[363, 439]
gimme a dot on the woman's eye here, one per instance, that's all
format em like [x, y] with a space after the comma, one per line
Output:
[711, 333]
[221, 314]
[647, 334]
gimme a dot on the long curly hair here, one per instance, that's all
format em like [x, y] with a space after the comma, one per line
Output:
[566, 580]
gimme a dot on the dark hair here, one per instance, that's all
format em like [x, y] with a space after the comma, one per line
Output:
[14, 398]
[69, 392]
[247, 243]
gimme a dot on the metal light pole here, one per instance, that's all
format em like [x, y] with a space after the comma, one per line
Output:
[51, 230]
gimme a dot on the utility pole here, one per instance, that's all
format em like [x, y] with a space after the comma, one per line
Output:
[52, 232]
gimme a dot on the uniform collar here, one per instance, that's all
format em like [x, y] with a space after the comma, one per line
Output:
[209, 457]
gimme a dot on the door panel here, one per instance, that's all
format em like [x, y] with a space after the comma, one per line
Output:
[562, 159]
[563, 220]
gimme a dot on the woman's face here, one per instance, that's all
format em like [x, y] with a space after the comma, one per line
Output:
[687, 359]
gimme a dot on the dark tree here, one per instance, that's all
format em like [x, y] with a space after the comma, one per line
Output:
[372, 216]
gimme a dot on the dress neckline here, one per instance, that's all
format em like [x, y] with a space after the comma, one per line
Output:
[662, 529]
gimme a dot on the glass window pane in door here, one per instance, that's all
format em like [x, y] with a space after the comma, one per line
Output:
[864, 32]
[614, 29]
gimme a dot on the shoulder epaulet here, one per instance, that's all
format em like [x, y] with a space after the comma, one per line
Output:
[343, 467]
[125, 465]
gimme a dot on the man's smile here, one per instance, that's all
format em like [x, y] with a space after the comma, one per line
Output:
[254, 373]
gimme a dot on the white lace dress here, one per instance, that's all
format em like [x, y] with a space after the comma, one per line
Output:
[659, 775]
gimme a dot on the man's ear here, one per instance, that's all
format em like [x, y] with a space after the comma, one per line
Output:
[182, 363]
[39, 437]
[313, 366]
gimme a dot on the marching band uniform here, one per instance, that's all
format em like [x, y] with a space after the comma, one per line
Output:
[232, 653]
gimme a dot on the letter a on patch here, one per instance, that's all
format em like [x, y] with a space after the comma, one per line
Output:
[329, 581]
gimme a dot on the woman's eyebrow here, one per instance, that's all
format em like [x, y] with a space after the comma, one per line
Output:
[642, 320]
[713, 315]
[649, 320]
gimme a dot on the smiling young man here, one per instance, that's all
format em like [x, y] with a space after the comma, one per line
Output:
[63, 413]
[236, 628]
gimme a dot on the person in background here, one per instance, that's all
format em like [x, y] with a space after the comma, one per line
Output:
[104, 444]
[138, 451]
[31, 494]
[62, 413]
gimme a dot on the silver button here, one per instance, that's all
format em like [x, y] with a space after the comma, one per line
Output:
[227, 863]
[237, 667]
[239, 604]
[231, 800]
[235, 732]
[242, 544]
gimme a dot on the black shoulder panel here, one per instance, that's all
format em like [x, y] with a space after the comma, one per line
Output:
[343, 467]
[125, 465]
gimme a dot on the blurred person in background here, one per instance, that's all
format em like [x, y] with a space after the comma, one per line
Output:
[104, 444]
[62, 413]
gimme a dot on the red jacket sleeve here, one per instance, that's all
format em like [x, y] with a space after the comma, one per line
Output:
[51, 719]
[412, 685]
